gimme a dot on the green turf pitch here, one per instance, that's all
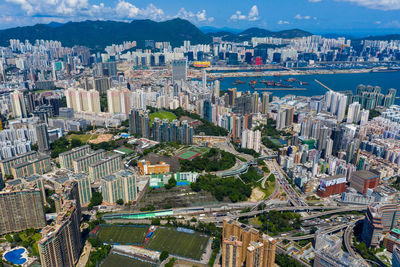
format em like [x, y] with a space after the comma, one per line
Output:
[115, 234]
[162, 115]
[115, 260]
[178, 243]
[187, 154]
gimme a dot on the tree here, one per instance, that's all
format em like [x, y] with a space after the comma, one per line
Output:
[171, 183]
[17, 238]
[75, 142]
[35, 147]
[95, 241]
[96, 200]
[164, 255]
[9, 238]
[120, 202]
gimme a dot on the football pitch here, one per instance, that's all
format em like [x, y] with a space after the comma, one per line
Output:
[178, 243]
[115, 260]
[127, 234]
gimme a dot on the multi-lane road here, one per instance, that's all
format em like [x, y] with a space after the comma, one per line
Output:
[292, 195]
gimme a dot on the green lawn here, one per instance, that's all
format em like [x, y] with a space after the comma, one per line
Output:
[115, 260]
[122, 234]
[178, 243]
[83, 137]
[162, 115]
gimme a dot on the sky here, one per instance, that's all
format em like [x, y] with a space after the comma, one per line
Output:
[353, 17]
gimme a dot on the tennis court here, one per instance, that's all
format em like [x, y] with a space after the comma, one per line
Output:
[188, 155]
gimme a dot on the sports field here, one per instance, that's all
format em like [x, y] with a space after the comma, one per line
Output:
[178, 243]
[115, 260]
[162, 115]
[191, 153]
[187, 155]
[115, 234]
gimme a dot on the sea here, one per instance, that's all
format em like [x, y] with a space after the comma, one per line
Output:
[336, 82]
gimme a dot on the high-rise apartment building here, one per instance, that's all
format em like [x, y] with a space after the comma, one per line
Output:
[231, 96]
[255, 253]
[84, 188]
[250, 249]
[364, 116]
[101, 84]
[120, 185]
[82, 164]
[164, 131]
[66, 192]
[20, 210]
[42, 137]
[353, 114]
[119, 100]
[6, 164]
[39, 165]
[104, 167]
[255, 102]
[243, 104]
[18, 104]
[61, 243]
[396, 257]
[81, 100]
[379, 220]
[179, 70]
[66, 158]
[139, 123]
[265, 103]
[232, 252]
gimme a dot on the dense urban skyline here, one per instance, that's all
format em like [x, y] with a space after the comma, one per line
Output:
[355, 17]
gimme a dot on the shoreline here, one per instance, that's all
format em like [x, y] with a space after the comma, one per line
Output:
[288, 73]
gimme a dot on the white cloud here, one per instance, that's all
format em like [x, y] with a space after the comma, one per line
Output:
[378, 22]
[314, 1]
[253, 15]
[280, 22]
[55, 7]
[81, 9]
[238, 16]
[298, 16]
[200, 16]
[126, 10]
[377, 4]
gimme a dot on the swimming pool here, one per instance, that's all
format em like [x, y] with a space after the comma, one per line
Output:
[15, 256]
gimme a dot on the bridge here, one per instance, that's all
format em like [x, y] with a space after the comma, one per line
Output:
[334, 209]
[352, 208]
[322, 231]
[243, 168]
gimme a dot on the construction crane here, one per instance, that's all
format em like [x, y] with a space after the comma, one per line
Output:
[323, 85]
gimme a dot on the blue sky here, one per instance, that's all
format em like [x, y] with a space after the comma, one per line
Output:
[356, 17]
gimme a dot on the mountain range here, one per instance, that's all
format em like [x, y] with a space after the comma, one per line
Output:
[98, 34]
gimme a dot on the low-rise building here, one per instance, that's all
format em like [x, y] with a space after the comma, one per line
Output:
[332, 185]
[362, 180]
[146, 168]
